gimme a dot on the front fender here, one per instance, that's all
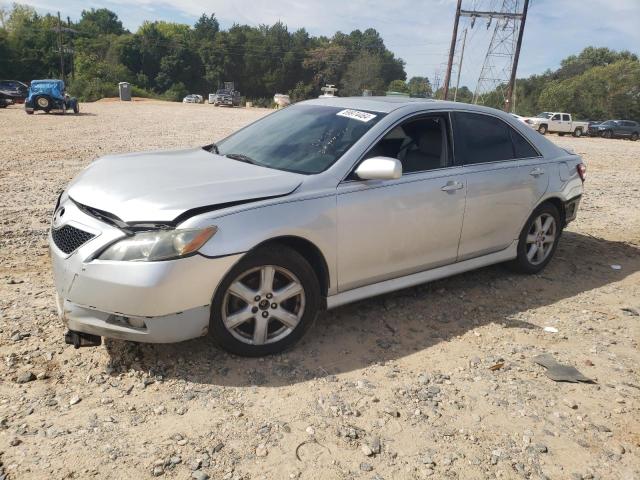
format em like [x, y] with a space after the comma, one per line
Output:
[311, 219]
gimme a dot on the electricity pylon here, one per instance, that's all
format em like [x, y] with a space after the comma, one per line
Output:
[501, 61]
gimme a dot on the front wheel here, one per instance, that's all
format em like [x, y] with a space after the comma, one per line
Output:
[607, 134]
[76, 108]
[542, 129]
[265, 303]
[538, 239]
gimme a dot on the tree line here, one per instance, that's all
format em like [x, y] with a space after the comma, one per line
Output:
[596, 84]
[169, 60]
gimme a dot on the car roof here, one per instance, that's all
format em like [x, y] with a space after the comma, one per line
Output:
[389, 104]
[47, 80]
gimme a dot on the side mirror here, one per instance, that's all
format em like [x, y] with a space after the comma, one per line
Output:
[379, 168]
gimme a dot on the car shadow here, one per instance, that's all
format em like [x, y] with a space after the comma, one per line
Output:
[395, 325]
[68, 114]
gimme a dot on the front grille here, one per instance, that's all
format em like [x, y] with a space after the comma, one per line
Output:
[69, 239]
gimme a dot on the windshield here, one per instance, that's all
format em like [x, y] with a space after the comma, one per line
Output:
[301, 138]
[544, 115]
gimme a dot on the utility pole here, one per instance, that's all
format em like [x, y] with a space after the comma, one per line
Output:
[508, 104]
[60, 47]
[436, 83]
[72, 51]
[452, 50]
[464, 40]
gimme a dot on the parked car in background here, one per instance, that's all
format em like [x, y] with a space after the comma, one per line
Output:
[11, 92]
[49, 95]
[557, 122]
[325, 202]
[193, 98]
[619, 129]
[592, 127]
[227, 98]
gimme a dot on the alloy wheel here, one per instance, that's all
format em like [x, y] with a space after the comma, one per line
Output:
[541, 238]
[263, 305]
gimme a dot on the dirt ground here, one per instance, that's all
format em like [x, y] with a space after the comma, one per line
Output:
[395, 387]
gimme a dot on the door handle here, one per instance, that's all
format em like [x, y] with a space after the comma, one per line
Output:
[536, 172]
[452, 186]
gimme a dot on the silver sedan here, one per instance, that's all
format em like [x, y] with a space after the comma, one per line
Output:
[325, 202]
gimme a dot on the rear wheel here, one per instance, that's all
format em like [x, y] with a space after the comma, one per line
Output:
[561, 134]
[634, 136]
[577, 132]
[76, 108]
[44, 103]
[542, 129]
[265, 303]
[538, 239]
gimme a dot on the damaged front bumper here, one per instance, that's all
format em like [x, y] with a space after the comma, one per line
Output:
[171, 328]
[156, 302]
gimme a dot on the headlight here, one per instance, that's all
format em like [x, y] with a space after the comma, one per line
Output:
[159, 245]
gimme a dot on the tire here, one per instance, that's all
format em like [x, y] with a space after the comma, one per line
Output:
[530, 260]
[607, 134]
[29, 112]
[242, 304]
[43, 103]
[634, 136]
[542, 129]
[577, 133]
[561, 134]
[76, 108]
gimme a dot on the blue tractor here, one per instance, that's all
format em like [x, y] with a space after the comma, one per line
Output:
[49, 95]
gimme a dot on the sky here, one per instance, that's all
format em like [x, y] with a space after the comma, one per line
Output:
[418, 31]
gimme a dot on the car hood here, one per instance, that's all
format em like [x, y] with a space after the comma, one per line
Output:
[161, 186]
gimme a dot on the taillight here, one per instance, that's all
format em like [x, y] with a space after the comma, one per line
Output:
[582, 171]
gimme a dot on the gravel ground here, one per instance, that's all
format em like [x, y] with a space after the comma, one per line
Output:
[434, 381]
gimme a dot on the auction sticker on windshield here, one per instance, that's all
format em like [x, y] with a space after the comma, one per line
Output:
[357, 115]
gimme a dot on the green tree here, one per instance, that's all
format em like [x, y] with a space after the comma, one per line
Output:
[100, 22]
[420, 87]
[399, 86]
[364, 73]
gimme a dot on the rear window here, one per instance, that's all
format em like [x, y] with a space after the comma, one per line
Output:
[482, 138]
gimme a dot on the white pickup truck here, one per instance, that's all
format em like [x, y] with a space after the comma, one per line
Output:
[557, 122]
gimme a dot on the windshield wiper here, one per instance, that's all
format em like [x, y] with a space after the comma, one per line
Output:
[242, 158]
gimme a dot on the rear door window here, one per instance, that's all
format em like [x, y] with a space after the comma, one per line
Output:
[480, 138]
[566, 118]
